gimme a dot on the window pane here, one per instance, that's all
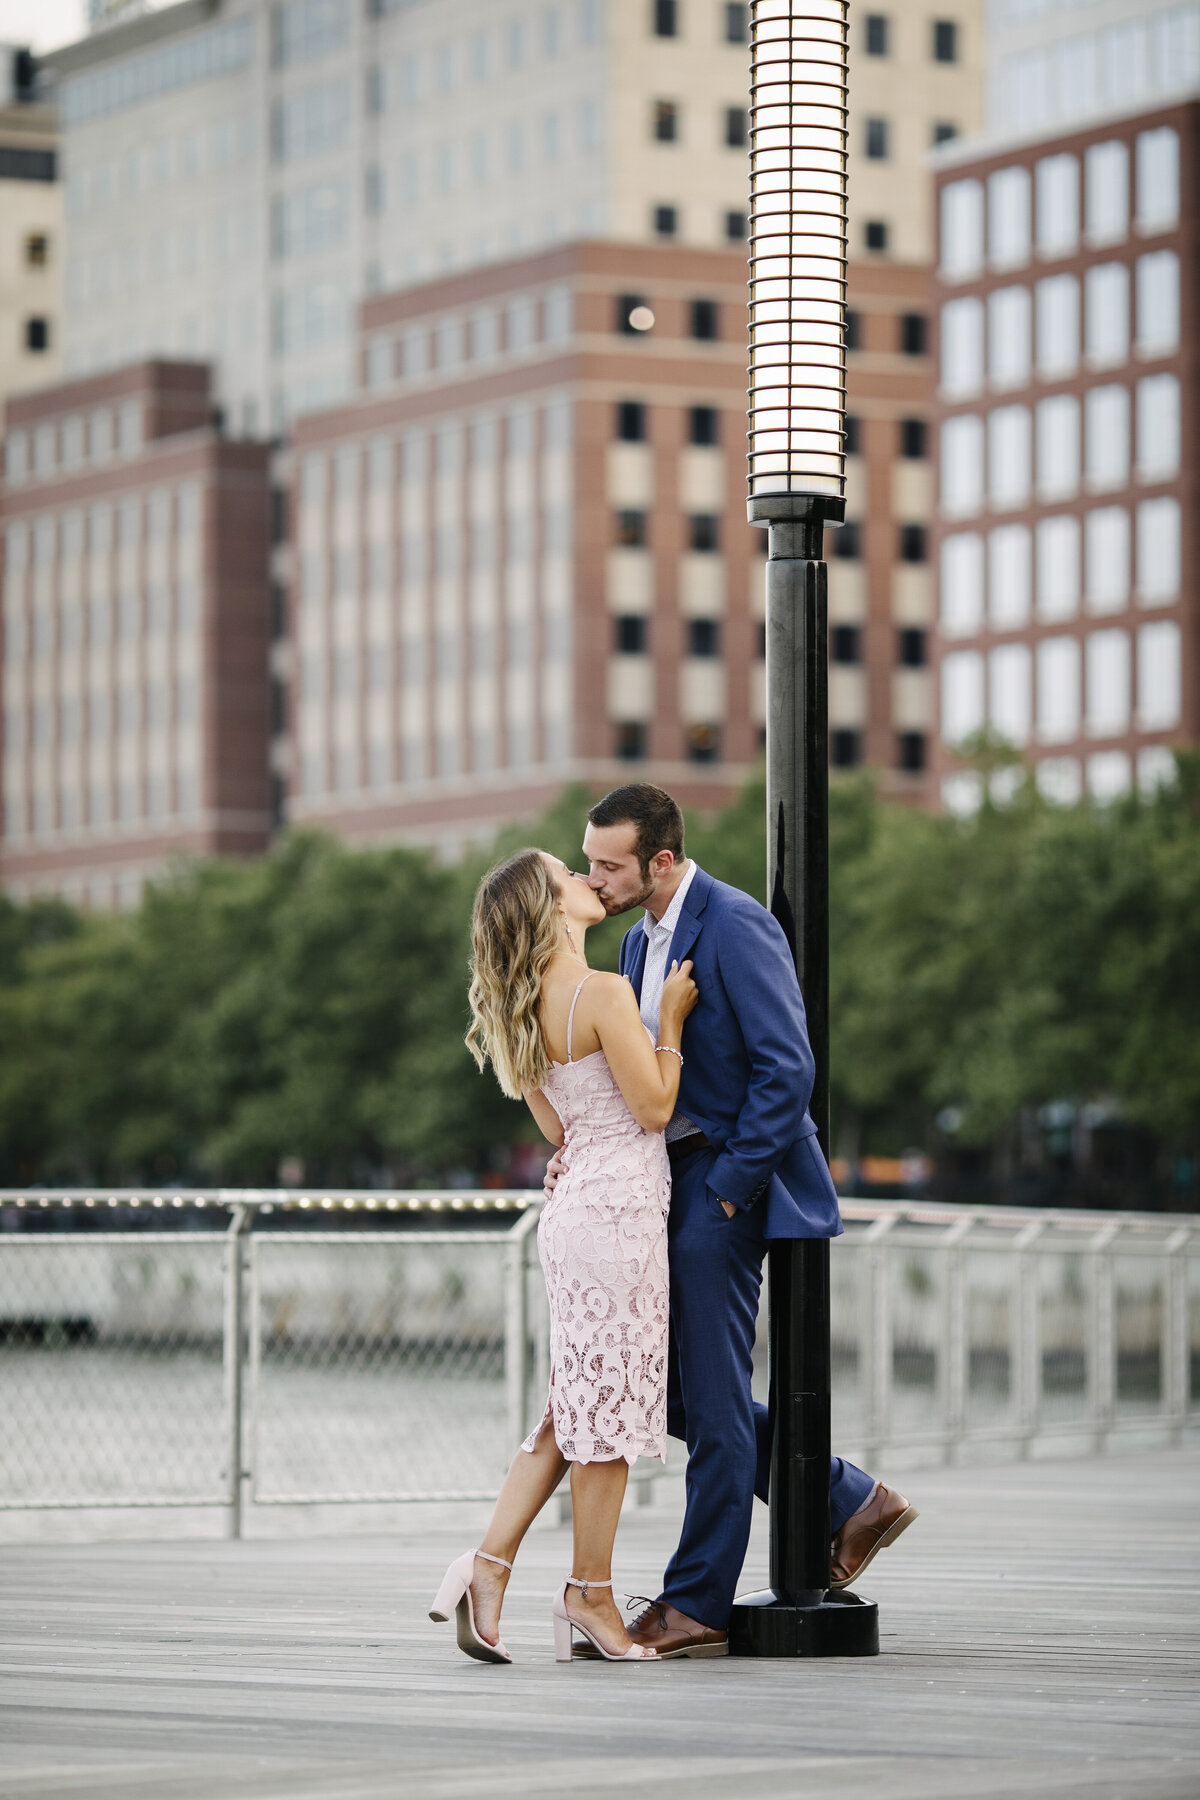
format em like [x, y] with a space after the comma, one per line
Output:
[1108, 775]
[1058, 673]
[1058, 447]
[1159, 683]
[1059, 779]
[1157, 427]
[1008, 218]
[1106, 437]
[1106, 310]
[962, 584]
[1057, 325]
[962, 695]
[962, 347]
[961, 230]
[1009, 332]
[1108, 667]
[1010, 576]
[1107, 190]
[1009, 696]
[1057, 568]
[1009, 456]
[1157, 303]
[1158, 549]
[1157, 179]
[1057, 205]
[1106, 559]
[962, 465]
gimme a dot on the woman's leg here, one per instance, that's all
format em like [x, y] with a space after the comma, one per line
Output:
[597, 1490]
[532, 1477]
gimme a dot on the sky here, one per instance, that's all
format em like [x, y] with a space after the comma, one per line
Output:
[43, 24]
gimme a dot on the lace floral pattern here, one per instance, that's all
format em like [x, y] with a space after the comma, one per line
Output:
[602, 1240]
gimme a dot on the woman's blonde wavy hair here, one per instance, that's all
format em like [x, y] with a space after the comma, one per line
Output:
[514, 933]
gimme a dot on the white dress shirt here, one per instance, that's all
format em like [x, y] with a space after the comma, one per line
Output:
[659, 933]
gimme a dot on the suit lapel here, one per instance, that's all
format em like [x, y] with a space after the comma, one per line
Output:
[691, 917]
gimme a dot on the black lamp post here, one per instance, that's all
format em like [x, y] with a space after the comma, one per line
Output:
[797, 484]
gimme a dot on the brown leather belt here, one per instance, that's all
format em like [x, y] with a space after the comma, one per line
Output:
[683, 1147]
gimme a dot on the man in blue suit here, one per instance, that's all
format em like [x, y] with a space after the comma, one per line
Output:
[746, 1168]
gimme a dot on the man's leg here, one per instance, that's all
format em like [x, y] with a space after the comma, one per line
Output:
[716, 1274]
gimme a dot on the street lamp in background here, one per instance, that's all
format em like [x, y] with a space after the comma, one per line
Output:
[798, 143]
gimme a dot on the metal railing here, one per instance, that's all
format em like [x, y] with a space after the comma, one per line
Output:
[262, 1362]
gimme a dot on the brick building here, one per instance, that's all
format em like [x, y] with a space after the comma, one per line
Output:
[1067, 309]
[522, 555]
[136, 697]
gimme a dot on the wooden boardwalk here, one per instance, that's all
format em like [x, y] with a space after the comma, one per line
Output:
[1040, 1631]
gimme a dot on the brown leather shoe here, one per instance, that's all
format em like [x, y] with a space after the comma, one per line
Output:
[868, 1532]
[664, 1628]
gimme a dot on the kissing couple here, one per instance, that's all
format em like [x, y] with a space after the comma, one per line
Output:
[676, 1094]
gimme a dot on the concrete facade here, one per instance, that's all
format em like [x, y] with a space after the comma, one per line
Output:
[1067, 419]
[136, 630]
[31, 248]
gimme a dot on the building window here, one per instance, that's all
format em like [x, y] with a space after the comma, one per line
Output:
[1157, 427]
[1009, 208]
[914, 436]
[37, 334]
[666, 122]
[1010, 337]
[1158, 550]
[1057, 326]
[705, 320]
[1159, 676]
[1106, 192]
[1057, 180]
[631, 529]
[737, 29]
[735, 227]
[1157, 178]
[703, 743]
[1106, 554]
[1106, 315]
[1058, 564]
[704, 532]
[1157, 303]
[1010, 576]
[945, 41]
[875, 234]
[852, 435]
[910, 647]
[703, 637]
[631, 311]
[629, 634]
[1058, 668]
[1107, 672]
[736, 133]
[853, 330]
[845, 644]
[875, 34]
[910, 752]
[666, 221]
[665, 18]
[703, 425]
[961, 228]
[629, 741]
[962, 695]
[847, 541]
[1106, 437]
[1009, 692]
[912, 543]
[943, 131]
[914, 334]
[962, 465]
[631, 421]
[962, 347]
[876, 144]
[845, 748]
[37, 250]
[1010, 456]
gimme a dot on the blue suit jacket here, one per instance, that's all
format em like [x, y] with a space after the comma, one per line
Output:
[747, 1065]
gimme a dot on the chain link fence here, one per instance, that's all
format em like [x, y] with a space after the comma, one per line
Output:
[263, 1363]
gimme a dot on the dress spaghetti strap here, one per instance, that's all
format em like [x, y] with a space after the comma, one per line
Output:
[571, 1014]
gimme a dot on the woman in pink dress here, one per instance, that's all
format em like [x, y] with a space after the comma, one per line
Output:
[572, 1044]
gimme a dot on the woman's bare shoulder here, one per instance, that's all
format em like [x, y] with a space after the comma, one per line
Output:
[609, 993]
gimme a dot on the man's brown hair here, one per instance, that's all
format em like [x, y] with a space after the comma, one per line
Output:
[657, 820]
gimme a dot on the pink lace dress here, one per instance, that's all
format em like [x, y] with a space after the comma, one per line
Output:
[602, 1239]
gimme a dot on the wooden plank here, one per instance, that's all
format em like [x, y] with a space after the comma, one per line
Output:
[1040, 1629]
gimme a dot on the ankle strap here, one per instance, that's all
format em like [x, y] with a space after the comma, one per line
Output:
[487, 1557]
[574, 1581]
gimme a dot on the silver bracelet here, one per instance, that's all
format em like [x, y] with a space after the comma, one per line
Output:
[670, 1052]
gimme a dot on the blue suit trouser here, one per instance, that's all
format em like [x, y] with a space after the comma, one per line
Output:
[716, 1275]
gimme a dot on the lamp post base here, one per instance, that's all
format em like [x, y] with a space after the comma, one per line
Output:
[838, 1624]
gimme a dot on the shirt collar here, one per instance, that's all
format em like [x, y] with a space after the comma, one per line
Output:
[670, 918]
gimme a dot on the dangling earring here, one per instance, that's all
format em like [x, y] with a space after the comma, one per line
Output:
[570, 939]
